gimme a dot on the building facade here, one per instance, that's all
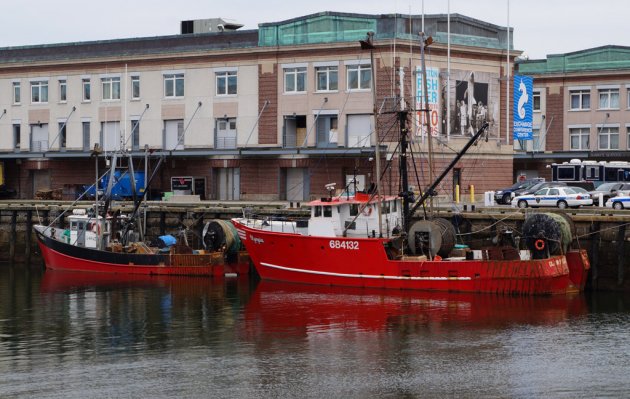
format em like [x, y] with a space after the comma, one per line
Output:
[581, 109]
[275, 113]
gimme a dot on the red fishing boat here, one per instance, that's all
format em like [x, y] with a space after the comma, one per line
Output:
[370, 240]
[97, 240]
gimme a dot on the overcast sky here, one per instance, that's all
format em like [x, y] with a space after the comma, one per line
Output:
[541, 27]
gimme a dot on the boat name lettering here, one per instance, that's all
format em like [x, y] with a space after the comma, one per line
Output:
[256, 240]
[341, 244]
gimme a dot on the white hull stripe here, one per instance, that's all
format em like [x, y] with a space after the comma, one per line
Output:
[291, 269]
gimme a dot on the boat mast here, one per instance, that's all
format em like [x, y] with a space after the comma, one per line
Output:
[427, 115]
[369, 45]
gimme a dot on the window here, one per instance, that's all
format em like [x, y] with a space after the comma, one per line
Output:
[63, 90]
[608, 138]
[317, 211]
[226, 83]
[295, 80]
[579, 138]
[359, 77]
[111, 88]
[536, 101]
[16, 93]
[135, 87]
[359, 130]
[39, 92]
[135, 135]
[608, 98]
[354, 209]
[62, 135]
[580, 100]
[327, 78]
[17, 135]
[566, 173]
[628, 132]
[328, 211]
[87, 96]
[174, 85]
[86, 135]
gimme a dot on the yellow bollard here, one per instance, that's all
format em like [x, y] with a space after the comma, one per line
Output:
[457, 193]
[472, 194]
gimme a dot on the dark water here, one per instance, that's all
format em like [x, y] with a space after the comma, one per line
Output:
[99, 336]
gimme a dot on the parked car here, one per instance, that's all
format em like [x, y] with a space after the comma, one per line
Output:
[619, 202]
[539, 186]
[562, 197]
[504, 196]
[608, 190]
[587, 185]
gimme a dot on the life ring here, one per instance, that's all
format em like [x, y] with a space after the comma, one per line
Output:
[539, 245]
[96, 228]
[367, 210]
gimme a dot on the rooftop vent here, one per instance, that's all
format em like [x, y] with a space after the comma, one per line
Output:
[208, 25]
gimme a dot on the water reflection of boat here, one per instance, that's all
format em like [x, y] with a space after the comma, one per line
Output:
[55, 281]
[277, 307]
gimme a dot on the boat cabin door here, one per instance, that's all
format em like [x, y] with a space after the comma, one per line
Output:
[84, 233]
[77, 232]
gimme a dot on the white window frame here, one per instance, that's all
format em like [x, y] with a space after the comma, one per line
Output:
[173, 79]
[537, 93]
[295, 76]
[581, 93]
[39, 86]
[606, 131]
[86, 88]
[360, 70]
[17, 93]
[63, 90]
[580, 131]
[110, 88]
[606, 97]
[327, 71]
[226, 76]
[135, 82]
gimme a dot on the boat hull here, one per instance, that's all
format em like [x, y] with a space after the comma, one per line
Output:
[363, 262]
[62, 256]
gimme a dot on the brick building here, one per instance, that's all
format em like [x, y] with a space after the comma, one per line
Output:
[269, 114]
[581, 109]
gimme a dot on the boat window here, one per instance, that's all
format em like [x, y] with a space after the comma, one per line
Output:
[354, 209]
[73, 226]
[386, 207]
[327, 211]
[394, 205]
[318, 211]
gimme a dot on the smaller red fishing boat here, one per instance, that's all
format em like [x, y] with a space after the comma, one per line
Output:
[96, 241]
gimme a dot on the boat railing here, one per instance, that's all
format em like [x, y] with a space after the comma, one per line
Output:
[278, 224]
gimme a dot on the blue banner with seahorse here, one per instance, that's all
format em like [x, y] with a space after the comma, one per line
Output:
[523, 107]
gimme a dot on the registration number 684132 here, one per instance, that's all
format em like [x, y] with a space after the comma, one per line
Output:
[342, 244]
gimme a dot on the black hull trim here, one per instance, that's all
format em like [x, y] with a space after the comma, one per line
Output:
[96, 255]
